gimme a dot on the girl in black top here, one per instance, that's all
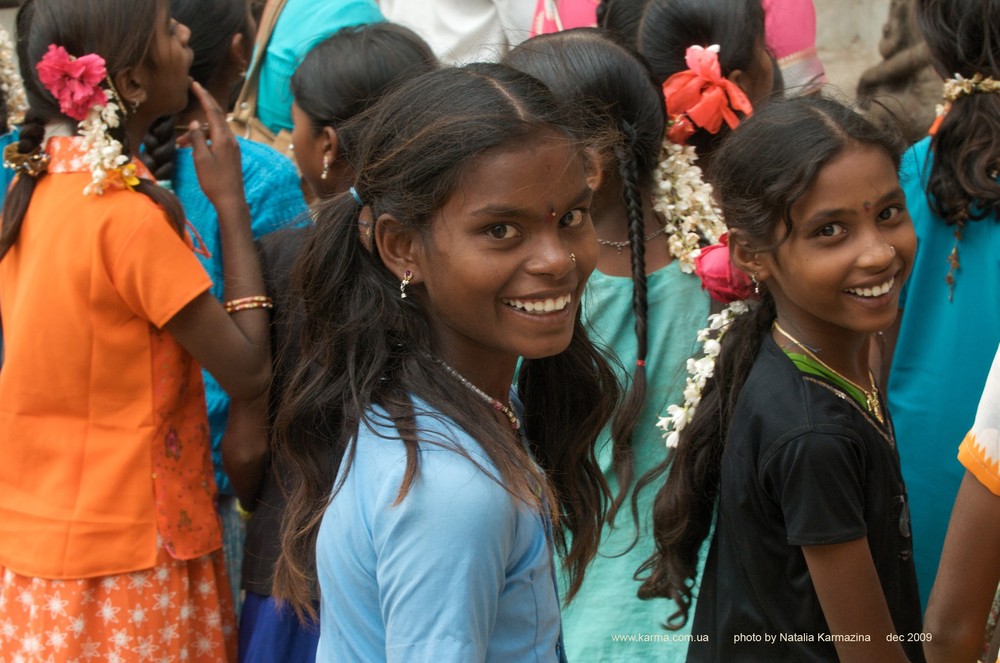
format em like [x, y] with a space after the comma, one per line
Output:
[791, 445]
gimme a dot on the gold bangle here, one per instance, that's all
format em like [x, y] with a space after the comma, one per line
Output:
[250, 305]
[241, 512]
[257, 301]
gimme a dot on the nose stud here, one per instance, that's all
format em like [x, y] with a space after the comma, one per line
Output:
[892, 249]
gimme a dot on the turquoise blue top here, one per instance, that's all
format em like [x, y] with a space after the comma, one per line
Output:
[275, 198]
[6, 177]
[606, 620]
[302, 25]
[456, 572]
[942, 358]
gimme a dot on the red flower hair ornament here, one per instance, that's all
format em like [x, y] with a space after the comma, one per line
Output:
[701, 96]
[723, 280]
[74, 82]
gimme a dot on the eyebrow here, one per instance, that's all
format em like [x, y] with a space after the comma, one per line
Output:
[490, 210]
[841, 211]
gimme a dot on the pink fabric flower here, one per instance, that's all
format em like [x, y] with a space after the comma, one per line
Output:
[723, 281]
[74, 82]
[703, 94]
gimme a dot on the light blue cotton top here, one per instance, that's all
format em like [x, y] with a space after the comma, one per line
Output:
[457, 572]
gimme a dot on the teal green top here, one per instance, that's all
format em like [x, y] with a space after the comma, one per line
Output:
[606, 622]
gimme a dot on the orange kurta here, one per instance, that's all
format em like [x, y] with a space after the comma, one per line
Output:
[102, 425]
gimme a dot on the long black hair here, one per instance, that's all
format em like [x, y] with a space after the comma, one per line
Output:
[363, 345]
[760, 171]
[621, 106]
[118, 31]
[964, 38]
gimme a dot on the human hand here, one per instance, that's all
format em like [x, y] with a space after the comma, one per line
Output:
[216, 153]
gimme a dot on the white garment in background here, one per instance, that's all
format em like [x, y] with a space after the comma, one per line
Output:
[462, 31]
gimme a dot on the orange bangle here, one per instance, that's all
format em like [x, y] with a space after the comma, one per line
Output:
[244, 303]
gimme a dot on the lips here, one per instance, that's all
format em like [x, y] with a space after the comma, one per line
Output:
[540, 306]
[874, 291]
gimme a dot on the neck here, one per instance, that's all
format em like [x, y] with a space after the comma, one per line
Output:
[847, 353]
[611, 223]
[493, 379]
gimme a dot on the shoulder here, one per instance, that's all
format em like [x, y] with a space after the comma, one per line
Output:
[455, 479]
[780, 405]
[303, 22]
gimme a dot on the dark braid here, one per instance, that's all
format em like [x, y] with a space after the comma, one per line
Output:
[685, 504]
[16, 202]
[627, 415]
[161, 149]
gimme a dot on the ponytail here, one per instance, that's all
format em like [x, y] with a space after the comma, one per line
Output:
[684, 506]
[16, 203]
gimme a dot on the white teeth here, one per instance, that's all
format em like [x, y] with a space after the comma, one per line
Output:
[877, 291]
[540, 305]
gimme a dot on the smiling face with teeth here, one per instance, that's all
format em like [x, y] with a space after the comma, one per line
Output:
[836, 277]
[504, 262]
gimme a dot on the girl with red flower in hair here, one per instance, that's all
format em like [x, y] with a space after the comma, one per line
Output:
[109, 541]
[787, 461]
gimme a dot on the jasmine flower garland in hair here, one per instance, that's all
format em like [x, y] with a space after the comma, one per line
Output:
[699, 371]
[684, 199]
[76, 83]
[11, 83]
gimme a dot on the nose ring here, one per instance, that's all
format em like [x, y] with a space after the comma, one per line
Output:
[572, 257]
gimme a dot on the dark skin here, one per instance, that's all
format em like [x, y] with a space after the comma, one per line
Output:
[967, 577]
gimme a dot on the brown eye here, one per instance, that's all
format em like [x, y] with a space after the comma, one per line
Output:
[573, 218]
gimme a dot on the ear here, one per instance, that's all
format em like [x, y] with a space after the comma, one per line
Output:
[399, 247]
[240, 50]
[742, 79]
[131, 83]
[746, 257]
[329, 142]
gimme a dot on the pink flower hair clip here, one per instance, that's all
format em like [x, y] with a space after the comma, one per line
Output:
[77, 84]
[701, 96]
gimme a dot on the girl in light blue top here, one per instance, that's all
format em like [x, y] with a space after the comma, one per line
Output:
[426, 497]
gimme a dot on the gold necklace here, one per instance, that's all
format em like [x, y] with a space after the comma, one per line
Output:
[871, 396]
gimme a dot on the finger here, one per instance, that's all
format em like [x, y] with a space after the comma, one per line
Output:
[195, 137]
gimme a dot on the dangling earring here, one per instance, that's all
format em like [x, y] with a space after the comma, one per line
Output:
[407, 275]
[326, 167]
[756, 284]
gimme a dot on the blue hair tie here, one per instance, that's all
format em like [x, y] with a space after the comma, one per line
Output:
[357, 198]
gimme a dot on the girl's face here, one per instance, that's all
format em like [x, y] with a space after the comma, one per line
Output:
[168, 63]
[851, 248]
[505, 259]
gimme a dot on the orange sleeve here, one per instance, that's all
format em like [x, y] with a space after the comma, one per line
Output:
[155, 270]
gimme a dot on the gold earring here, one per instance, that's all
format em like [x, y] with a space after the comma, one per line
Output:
[407, 275]
[756, 284]
[572, 257]
[326, 167]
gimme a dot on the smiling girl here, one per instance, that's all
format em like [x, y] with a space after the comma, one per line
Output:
[791, 443]
[427, 497]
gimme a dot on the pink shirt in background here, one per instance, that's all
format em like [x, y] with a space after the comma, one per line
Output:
[556, 15]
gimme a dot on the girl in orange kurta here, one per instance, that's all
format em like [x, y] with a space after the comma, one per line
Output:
[109, 543]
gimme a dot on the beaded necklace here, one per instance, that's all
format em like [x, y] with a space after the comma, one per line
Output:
[871, 395]
[507, 410]
[622, 245]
